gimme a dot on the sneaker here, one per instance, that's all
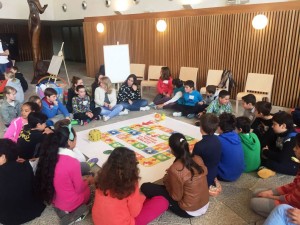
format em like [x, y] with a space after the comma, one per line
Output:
[81, 122]
[77, 215]
[177, 114]
[92, 162]
[197, 123]
[190, 116]
[75, 122]
[124, 112]
[265, 173]
[105, 118]
[151, 105]
[145, 108]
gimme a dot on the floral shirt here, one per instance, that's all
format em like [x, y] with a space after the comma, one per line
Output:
[127, 93]
[81, 105]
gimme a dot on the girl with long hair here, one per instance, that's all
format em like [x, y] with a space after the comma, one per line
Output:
[58, 175]
[72, 92]
[118, 193]
[106, 99]
[129, 96]
[185, 184]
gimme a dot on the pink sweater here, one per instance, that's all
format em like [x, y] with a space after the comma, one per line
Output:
[14, 129]
[71, 190]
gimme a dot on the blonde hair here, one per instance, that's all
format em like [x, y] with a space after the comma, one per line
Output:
[109, 86]
[8, 90]
[10, 75]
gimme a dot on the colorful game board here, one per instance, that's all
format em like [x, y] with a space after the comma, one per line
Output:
[146, 137]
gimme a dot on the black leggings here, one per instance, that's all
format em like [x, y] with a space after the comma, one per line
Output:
[84, 117]
[151, 190]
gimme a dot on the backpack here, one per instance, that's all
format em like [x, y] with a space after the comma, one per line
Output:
[227, 74]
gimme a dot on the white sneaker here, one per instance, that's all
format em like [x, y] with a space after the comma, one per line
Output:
[177, 114]
[145, 108]
[105, 118]
[124, 112]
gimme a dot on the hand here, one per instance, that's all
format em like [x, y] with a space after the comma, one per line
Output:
[200, 103]
[20, 160]
[294, 215]
[265, 148]
[266, 194]
[160, 106]
[134, 87]
[68, 118]
[106, 104]
[130, 101]
[167, 95]
[199, 114]
[47, 131]
[110, 107]
[55, 102]
[89, 179]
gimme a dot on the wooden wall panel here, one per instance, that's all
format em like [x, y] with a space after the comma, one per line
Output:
[210, 39]
[25, 52]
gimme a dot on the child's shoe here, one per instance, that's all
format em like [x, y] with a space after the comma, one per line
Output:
[151, 105]
[264, 172]
[75, 122]
[81, 122]
[78, 214]
[92, 162]
[106, 118]
[190, 116]
[145, 108]
[124, 112]
[177, 114]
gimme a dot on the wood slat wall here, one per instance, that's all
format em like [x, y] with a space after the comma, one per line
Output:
[210, 40]
[25, 52]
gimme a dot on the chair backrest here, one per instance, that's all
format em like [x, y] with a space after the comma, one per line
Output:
[154, 72]
[259, 83]
[188, 73]
[138, 70]
[214, 77]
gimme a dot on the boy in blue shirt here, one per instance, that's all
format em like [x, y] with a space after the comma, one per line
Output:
[53, 108]
[231, 165]
[187, 104]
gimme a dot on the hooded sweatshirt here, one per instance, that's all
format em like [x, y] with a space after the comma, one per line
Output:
[231, 165]
[15, 83]
[251, 148]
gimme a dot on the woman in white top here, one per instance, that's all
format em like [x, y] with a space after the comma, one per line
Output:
[106, 98]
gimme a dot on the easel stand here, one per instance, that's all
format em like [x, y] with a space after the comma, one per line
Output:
[60, 53]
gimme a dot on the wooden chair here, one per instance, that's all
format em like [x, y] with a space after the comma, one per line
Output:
[153, 77]
[257, 84]
[213, 78]
[188, 73]
[138, 70]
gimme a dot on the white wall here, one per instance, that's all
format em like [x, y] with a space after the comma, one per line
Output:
[18, 9]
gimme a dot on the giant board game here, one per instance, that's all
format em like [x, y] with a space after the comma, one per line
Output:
[144, 135]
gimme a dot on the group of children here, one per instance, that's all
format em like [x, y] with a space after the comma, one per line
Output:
[187, 184]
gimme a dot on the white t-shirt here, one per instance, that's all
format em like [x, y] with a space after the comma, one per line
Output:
[3, 59]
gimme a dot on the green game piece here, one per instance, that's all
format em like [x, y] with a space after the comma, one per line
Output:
[107, 152]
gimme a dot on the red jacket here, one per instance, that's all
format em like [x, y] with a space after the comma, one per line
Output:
[165, 86]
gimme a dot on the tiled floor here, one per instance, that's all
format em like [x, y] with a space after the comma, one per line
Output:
[230, 208]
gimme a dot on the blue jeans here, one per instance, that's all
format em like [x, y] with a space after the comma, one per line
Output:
[136, 104]
[279, 216]
[111, 112]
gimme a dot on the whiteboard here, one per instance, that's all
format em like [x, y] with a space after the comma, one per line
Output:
[117, 62]
[55, 64]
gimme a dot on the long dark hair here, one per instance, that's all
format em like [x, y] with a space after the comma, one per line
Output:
[119, 174]
[47, 162]
[33, 119]
[133, 76]
[180, 149]
[165, 73]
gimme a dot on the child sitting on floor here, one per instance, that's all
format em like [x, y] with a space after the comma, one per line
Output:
[118, 191]
[220, 105]
[185, 183]
[250, 143]
[53, 108]
[231, 165]
[266, 200]
[209, 149]
[17, 124]
[187, 104]
[81, 107]
[12, 81]
[248, 103]
[278, 159]
[10, 108]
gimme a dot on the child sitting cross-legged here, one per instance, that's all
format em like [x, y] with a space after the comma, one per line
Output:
[220, 105]
[231, 165]
[117, 191]
[17, 124]
[265, 200]
[187, 104]
[209, 149]
[250, 143]
[53, 108]
[185, 183]
[81, 107]
[278, 159]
